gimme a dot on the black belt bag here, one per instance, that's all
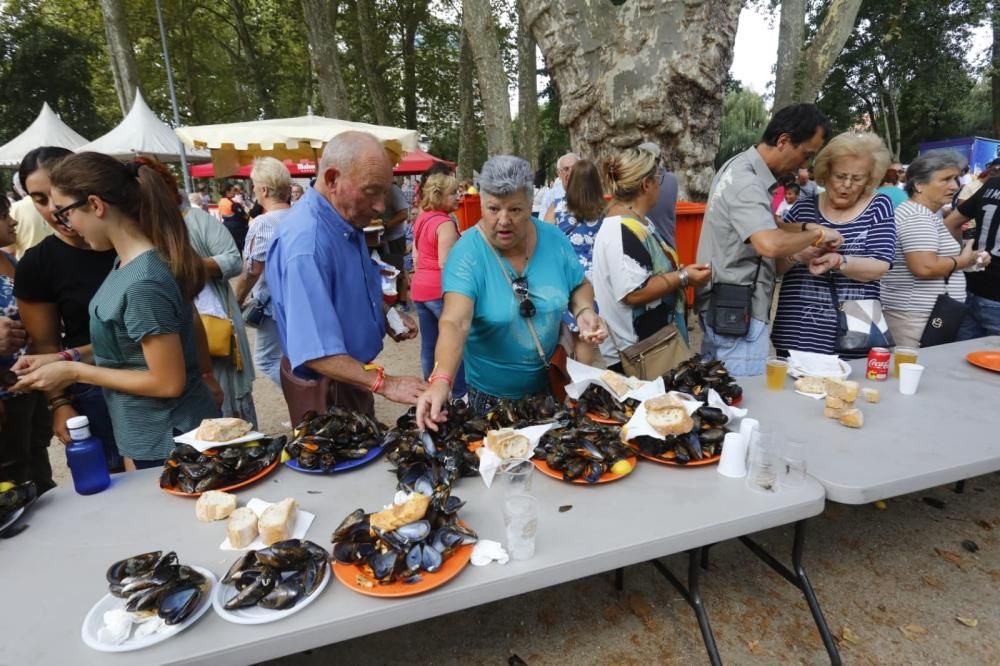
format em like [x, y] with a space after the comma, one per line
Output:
[730, 307]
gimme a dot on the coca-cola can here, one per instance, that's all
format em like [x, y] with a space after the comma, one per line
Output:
[878, 364]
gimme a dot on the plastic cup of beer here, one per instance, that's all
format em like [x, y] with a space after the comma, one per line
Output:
[902, 355]
[777, 370]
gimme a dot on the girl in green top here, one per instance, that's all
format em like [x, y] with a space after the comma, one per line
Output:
[149, 349]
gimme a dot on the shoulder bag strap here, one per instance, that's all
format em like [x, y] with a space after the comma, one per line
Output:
[834, 296]
[510, 283]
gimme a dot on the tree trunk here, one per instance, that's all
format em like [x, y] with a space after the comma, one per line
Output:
[320, 17]
[367, 34]
[478, 24]
[643, 71]
[123, 65]
[791, 39]
[995, 70]
[258, 72]
[824, 48]
[412, 14]
[527, 94]
[466, 111]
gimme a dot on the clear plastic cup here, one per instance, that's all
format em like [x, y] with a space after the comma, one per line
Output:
[795, 464]
[777, 370]
[515, 476]
[766, 466]
[520, 518]
[909, 377]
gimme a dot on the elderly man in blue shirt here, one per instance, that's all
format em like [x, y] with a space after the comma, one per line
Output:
[326, 290]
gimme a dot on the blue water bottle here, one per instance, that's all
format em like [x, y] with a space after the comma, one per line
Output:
[85, 456]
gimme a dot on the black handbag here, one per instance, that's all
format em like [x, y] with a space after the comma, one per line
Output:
[731, 306]
[253, 312]
[946, 318]
[860, 324]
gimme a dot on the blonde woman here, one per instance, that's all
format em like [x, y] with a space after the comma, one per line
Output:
[434, 234]
[850, 167]
[272, 186]
[638, 279]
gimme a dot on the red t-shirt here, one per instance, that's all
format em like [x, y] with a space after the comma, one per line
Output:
[426, 285]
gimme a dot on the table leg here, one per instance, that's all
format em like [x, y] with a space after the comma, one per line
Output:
[692, 595]
[960, 486]
[799, 579]
[619, 579]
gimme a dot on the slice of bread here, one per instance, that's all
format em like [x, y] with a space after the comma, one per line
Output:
[852, 418]
[617, 383]
[222, 430]
[507, 444]
[871, 395]
[667, 416]
[214, 505]
[844, 389]
[277, 521]
[813, 385]
[242, 527]
[401, 514]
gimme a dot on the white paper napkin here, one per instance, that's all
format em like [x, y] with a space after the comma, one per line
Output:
[486, 551]
[581, 376]
[490, 462]
[303, 519]
[202, 445]
[815, 365]
[814, 396]
[715, 400]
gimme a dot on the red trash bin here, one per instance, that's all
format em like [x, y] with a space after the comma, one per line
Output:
[690, 217]
[469, 212]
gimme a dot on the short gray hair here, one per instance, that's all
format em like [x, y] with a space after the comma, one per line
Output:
[505, 174]
[344, 148]
[273, 174]
[922, 169]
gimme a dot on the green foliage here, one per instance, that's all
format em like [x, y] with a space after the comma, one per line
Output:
[744, 118]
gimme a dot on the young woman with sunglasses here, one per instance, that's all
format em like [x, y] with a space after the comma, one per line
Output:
[55, 281]
[148, 346]
[506, 286]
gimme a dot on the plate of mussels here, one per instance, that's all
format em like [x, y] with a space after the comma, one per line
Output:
[188, 472]
[334, 442]
[272, 583]
[701, 446]
[14, 499]
[584, 453]
[406, 549]
[152, 598]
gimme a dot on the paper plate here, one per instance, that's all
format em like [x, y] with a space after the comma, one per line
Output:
[607, 477]
[985, 359]
[202, 445]
[246, 482]
[796, 371]
[694, 463]
[257, 614]
[95, 620]
[373, 453]
[354, 577]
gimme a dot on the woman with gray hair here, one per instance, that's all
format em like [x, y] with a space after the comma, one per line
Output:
[506, 285]
[930, 257]
[850, 167]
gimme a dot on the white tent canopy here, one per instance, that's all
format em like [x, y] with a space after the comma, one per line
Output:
[142, 133]
[237, 144]
[47, 130]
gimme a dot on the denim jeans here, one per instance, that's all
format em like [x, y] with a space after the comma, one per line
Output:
[744, 357]
[428, 313]
[267, 350]
[981, 318]
[88, 400]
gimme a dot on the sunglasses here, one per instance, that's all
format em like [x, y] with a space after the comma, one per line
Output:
[61, 215]
[526, 307]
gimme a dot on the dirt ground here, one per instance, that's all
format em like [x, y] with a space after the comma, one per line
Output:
[899, 585]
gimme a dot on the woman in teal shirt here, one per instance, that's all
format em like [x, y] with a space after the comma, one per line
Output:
[149, 348]
[506, 285]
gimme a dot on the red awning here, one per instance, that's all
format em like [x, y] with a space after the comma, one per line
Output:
[296, 169]
[417, 162]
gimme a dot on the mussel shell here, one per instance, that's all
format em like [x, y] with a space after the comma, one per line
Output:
[414, 559]
[430, 559]
[133, 566]
[178, 603]
[347, 525]
[264, 580]
[383, 565]
[712, 415]
[286, 593]
[415, 531]
[451, 505]
[247, 561]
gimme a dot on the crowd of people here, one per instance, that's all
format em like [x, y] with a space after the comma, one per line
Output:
[127, 302]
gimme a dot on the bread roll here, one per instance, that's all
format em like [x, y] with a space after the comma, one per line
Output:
[833, 412]
[222, 430]
[667, 416]
[507, 444]
[834, 403]
[812, 385]
[242, 527]
[870, 395]
[852, 418]
[846, 390]
[401, 514]
[617, 383]
[277, 521]
[214, 505]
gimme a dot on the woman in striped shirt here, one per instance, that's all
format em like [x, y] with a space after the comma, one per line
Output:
[850, 167]
[150, 350]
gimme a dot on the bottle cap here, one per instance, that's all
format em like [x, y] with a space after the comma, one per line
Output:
[77, 422]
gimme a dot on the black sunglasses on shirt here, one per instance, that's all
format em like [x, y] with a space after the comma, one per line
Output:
[526, 308]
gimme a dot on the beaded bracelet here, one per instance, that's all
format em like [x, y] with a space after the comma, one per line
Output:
[440, 375]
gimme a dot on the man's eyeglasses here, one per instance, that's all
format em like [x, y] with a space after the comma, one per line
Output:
[62, 214]
[526, 307]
